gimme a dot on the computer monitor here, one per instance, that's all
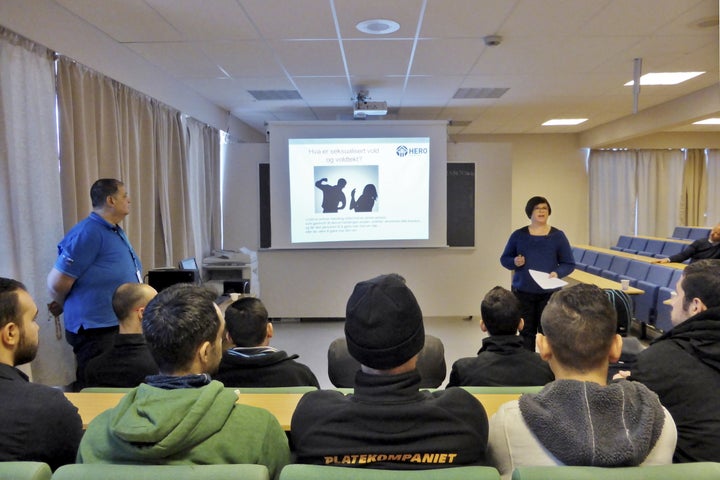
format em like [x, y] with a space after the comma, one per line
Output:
[188, 264]
[162, 278]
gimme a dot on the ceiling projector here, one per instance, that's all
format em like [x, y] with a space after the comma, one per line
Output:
[364, 107]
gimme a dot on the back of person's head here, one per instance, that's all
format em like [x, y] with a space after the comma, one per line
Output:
[9, 301]
[128, 297]
[383, 323]
[534, 202]
[246, 320]
[370, 191]
[342, 182]
[701, 280]
[177, 321]
[103, 188]
[580, 325]
[500, 310]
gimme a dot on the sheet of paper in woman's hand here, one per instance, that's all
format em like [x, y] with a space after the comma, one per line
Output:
[543, 279]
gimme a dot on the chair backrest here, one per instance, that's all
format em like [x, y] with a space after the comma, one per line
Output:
[696, 233]
[590, 257]
[624, 241]
[671, 248]
[654, 246]
[431, 363]
[503, 390]
[638, 243]
[25, 471]
[93, 471]
[578, 253]
[681, 232]
[292, 389]
[637, 270]
[676, 471]
[321, 472]
[603, 261]
[659, 275]
[619, 265]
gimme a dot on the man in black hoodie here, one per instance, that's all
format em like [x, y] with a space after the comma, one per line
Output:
[249, 360]
[683, 365]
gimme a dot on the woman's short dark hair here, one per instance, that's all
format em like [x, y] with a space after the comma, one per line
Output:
[103, 188]
[177, 321]
[534, 202]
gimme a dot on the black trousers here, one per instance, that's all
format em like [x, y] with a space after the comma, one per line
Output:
[531, 308]
[87, 344]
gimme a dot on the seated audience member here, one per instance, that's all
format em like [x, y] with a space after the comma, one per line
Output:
[502, 360]
[250, 361]
[700, 249]
[181, 416]
[683, 365]
[579, 419]
[388, 422]
[38, 423]
[129, 361]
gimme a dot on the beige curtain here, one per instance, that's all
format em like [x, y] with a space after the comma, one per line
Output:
[30, 206]
[713, 188]
[659, 181]
[694, 193]
[110, 130]
[613, 192]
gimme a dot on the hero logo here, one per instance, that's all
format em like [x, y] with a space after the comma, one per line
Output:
[403, 151]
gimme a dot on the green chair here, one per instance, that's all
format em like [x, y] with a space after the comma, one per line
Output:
[25, 471]
[105, 390]
[320, 472]
[302, 389]
[503, 390]
[676, 471]
[95, 471]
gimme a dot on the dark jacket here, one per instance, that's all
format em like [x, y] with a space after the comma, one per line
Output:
[683, 368]
[698, 250]
[38, 423]
[124, 366]
[263, 367]
[389, 423]
[502, 361]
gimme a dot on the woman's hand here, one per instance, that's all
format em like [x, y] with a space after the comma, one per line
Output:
[519, 261]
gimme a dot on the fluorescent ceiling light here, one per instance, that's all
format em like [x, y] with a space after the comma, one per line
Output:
[666, 78]
[708, 121]
[564, 121]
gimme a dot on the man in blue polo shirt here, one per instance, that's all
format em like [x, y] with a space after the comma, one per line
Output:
[94, 258]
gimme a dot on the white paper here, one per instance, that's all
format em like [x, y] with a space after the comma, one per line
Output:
[543, 279]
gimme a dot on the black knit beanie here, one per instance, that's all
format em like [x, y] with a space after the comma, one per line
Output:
[533, 202]
[383, 323]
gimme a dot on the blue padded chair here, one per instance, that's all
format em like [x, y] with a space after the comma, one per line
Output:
[652, 248]
[677, 471]
[322, 472]
[578, 254]
[681, 232]
[618, 266]
[20, 470]
[92, 471]
[645, 304]
[602, 262]
[662, 311]
[671, 248]
[589, 258]
[637, 244]
[636, 271]
[623, 242]
[697, 233]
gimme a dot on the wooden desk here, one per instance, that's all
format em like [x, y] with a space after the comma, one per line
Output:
[632, 256]
[281, 405]
[581, 276]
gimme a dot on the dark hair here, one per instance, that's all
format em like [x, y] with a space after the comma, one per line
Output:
[534, 202]
[500, 310]
[126, 298]
[701, 280]
[177, 321]
[370, 191]
[9, 303]
[103, 188]
[246, 320]
[580, 325]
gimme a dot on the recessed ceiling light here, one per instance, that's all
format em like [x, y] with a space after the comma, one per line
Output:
[667, 78]
[564, 121]
[378, 26]
[708, 121]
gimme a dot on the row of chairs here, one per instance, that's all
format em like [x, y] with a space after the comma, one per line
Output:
[41, 471]
[691, 233]
[657, 281]
[649, 247]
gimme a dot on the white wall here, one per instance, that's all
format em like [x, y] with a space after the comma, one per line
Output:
[317, 283]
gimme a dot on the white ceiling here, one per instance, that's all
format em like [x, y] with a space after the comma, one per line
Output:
[559, 58]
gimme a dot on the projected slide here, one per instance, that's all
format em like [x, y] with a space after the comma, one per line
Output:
[359, 189]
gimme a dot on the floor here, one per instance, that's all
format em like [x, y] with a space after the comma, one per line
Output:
[310, 339]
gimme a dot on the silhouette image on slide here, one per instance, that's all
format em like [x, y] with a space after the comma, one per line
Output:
[366, 201]
[333, 196]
